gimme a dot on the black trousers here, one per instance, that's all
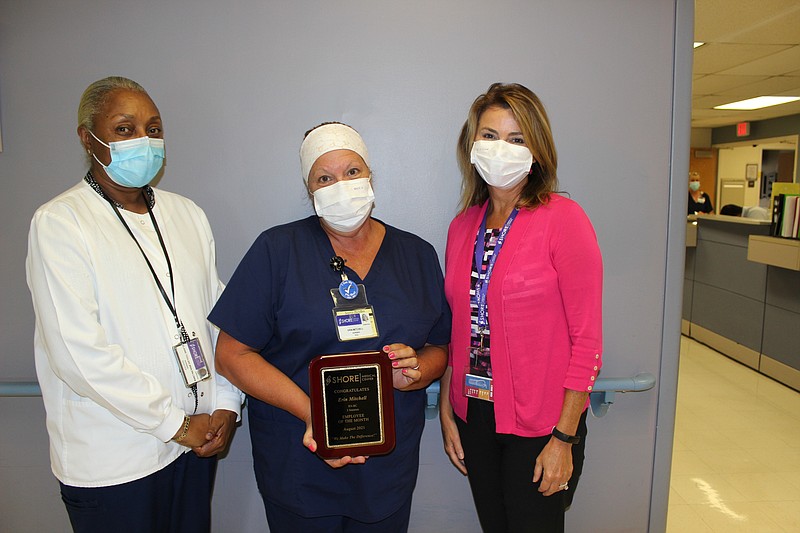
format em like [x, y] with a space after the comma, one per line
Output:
[175, 499]
[500, 470]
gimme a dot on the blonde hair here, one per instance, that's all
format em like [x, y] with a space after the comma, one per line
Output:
[96, 95]
[532, 119]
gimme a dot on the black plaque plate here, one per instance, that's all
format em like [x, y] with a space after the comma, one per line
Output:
[352, 404]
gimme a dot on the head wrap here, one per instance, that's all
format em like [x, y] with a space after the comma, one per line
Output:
[327, 138]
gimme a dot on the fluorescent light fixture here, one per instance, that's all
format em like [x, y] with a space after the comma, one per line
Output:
[758, 102]
[698, 44]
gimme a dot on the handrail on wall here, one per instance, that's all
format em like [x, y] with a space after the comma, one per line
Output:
[432, 402]
[19, 388]
[602, 396]
[605, 390]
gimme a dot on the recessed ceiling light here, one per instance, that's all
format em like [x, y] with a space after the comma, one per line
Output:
[758, 102]
[698, 44]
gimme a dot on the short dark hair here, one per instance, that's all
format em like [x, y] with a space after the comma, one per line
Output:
[732, 210]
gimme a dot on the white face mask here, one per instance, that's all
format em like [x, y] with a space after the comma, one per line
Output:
[501, 164]
[346, 204]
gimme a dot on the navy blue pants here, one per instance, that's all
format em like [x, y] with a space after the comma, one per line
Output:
[175, 499]
[282, 521]
[500, 469]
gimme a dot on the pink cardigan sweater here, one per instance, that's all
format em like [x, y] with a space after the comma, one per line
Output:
[545, 305]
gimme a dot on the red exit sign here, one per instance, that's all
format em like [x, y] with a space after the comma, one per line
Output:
[742, 129]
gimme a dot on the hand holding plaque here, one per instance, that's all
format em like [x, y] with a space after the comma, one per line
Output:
[352, 404]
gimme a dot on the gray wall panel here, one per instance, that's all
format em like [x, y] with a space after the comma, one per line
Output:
[728, 314]
[781, 334]
[783, 288]
[689, 263]
[686, 311]
[31, 501]
[722, 231]
[726, 266]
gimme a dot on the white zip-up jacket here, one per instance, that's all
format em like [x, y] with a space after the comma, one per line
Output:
[104, 337]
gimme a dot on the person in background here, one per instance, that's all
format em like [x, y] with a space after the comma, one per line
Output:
[753, 211]
[699, 202]
[524, 280]
[122, 276]
[731, 210]
[275, 316]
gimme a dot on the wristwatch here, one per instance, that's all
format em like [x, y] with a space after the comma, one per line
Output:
[569, 439]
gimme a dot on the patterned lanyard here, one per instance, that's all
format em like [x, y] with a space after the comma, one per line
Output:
[482, 286]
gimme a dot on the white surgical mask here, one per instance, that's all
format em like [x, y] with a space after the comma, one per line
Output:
[346, 204]
[694, 185]
[501, 164]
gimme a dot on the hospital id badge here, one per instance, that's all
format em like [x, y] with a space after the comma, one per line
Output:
[192, 362]
[353, 316]
[479, 387]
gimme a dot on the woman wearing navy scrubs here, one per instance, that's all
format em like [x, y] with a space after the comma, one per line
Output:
[699, 201]
[524, 280]
[275, 317]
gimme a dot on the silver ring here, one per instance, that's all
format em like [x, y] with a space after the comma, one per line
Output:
[415, 367]
[564, 486]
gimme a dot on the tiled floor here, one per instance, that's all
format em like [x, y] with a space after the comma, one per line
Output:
[736, 460]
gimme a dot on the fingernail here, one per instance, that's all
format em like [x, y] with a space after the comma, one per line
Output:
[405, 371]
[395, 363]
[386, 348]
[392, 355]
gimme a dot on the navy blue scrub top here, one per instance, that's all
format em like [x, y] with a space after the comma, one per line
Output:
[278, 302]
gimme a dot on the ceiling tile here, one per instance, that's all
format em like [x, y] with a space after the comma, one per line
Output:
[753, 49]
[775, 64]
[715, 83]
[774, 86]
[707, 102]
[781, 28]
[728, 20]
[714, 58]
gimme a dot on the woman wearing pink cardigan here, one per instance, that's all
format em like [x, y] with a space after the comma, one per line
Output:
[524, 281]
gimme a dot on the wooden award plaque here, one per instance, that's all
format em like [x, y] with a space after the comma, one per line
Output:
[352, 404]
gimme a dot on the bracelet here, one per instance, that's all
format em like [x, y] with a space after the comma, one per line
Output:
[185, 431]
[569, 439]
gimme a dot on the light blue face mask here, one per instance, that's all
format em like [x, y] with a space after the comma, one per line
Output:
[134, 162]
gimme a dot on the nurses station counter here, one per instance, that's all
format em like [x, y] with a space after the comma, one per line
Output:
[741, 293]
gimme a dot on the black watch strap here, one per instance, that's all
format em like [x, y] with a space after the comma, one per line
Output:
[569, 439]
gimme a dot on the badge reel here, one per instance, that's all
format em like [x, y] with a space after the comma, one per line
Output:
[353, 316]
[191, 360]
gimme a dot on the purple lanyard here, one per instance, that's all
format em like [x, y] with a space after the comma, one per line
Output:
[482, 286]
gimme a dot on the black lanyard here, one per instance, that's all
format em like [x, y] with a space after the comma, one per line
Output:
[181, 329]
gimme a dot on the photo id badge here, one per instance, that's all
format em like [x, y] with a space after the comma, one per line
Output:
[479, 387]
[192, 362]
[353, 317]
